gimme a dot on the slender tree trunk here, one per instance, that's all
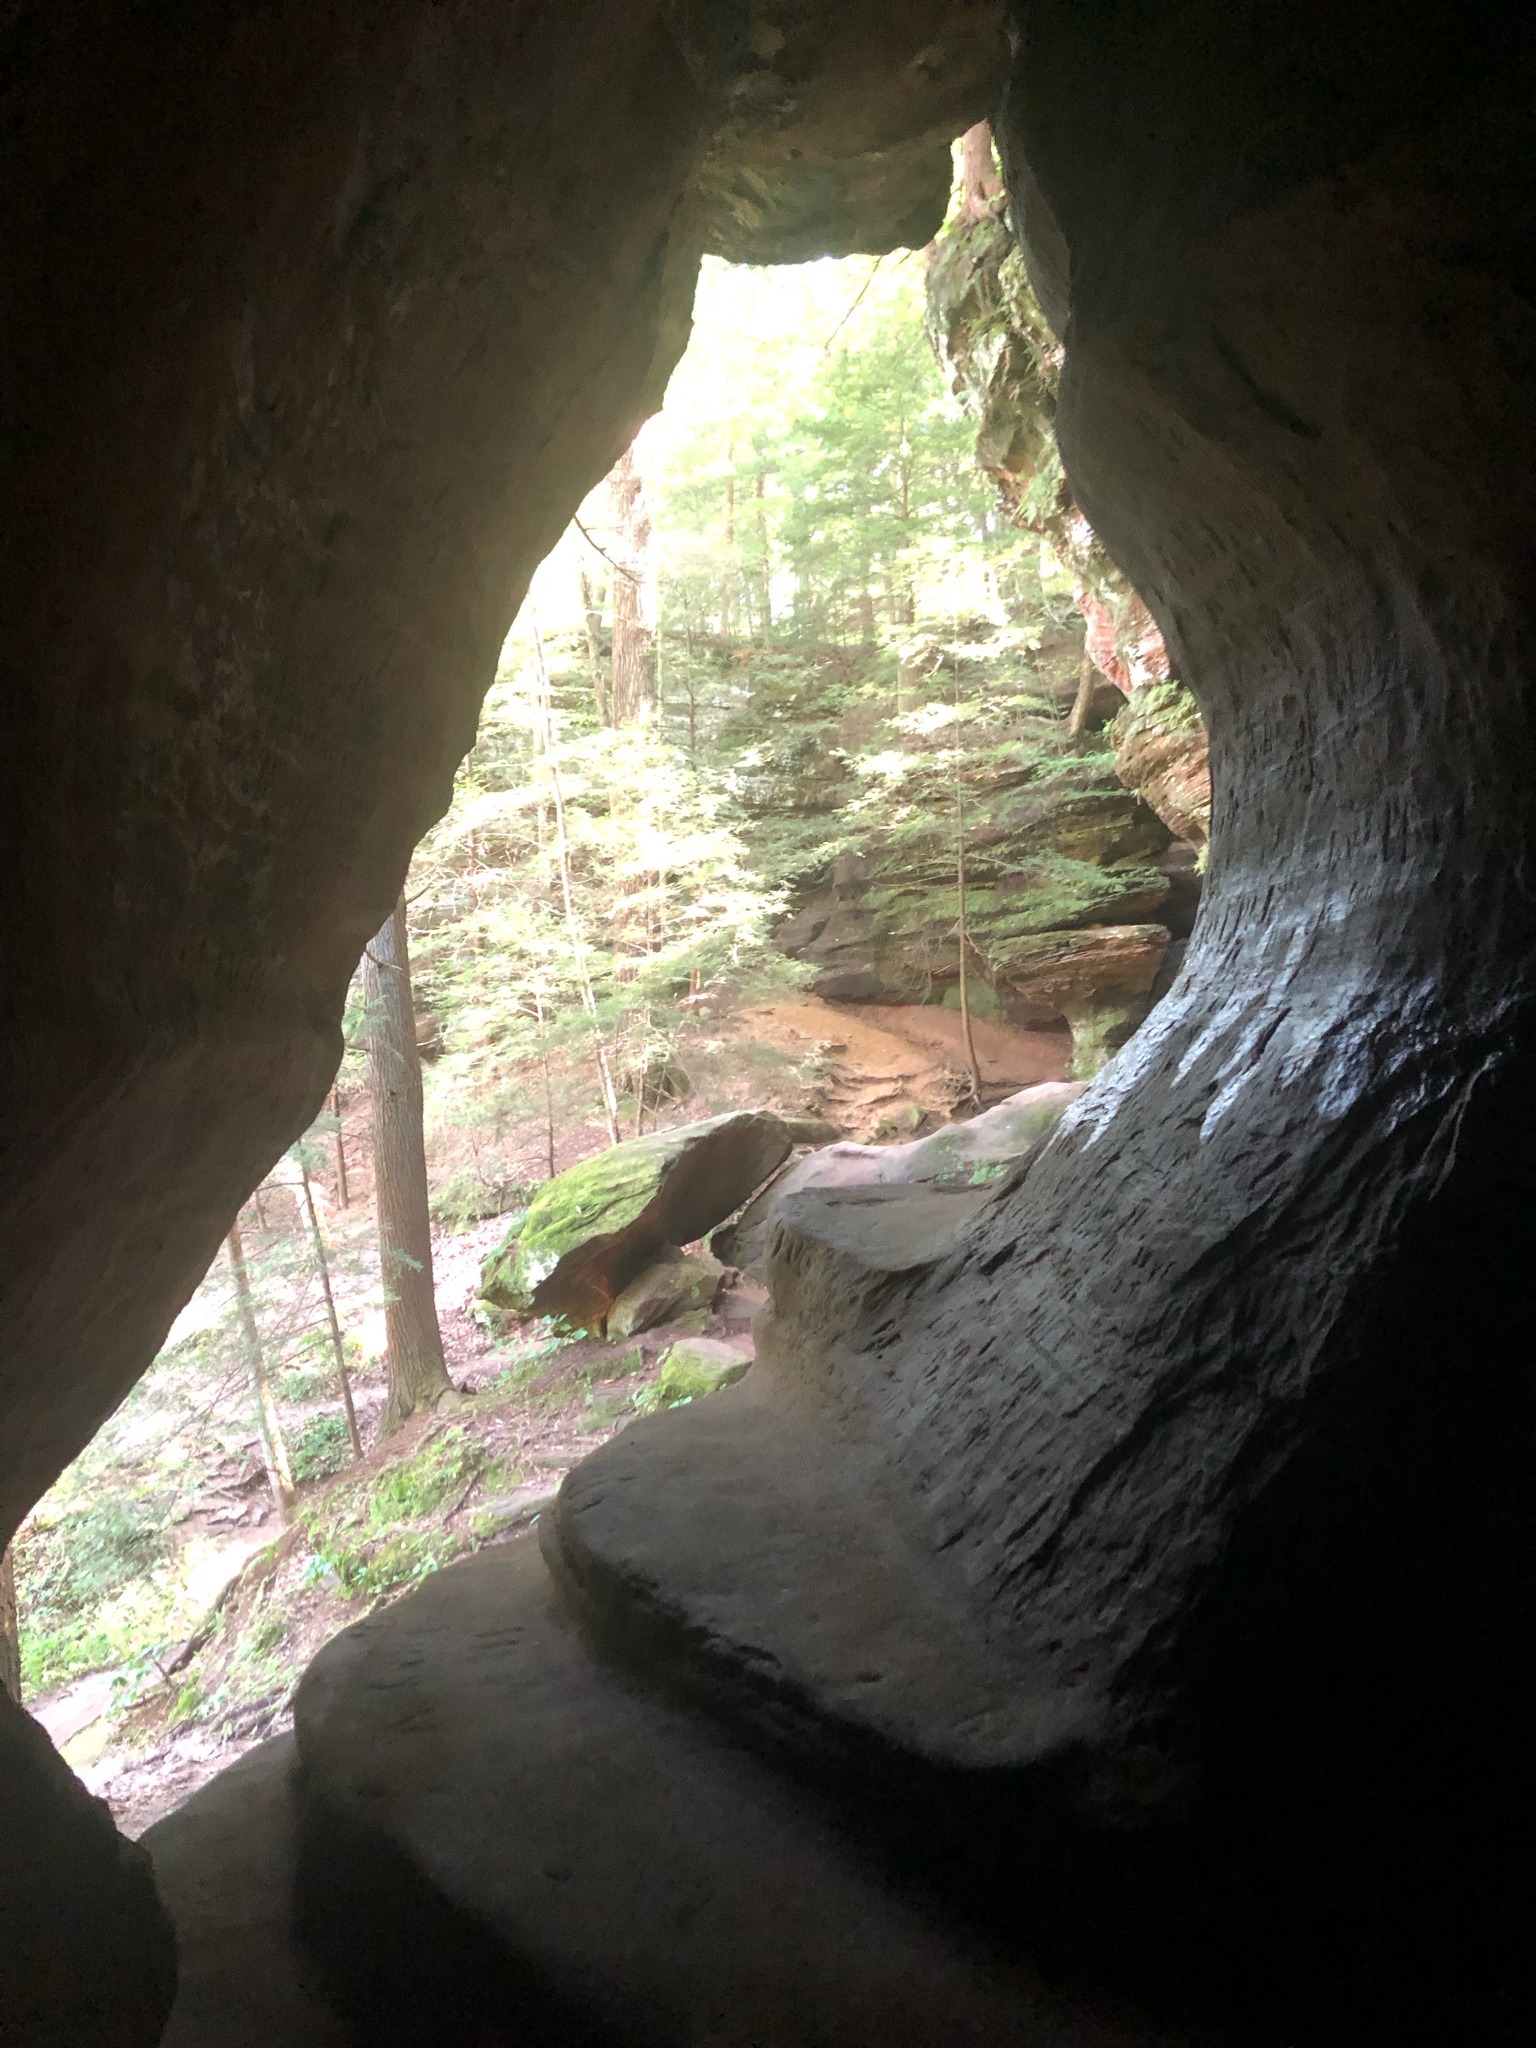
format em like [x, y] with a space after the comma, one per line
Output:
[10, 1627]
[415, 1367]
[728, 598]
[549, 1098]
[573, 929]
[981, 186]
[965, 949]
[961, 918]
[1083, 704]
[693, 695]
[592, 616]
[323, 1268]
[341, 1151]
[633, 610]
[765, 571]
[274, 1452]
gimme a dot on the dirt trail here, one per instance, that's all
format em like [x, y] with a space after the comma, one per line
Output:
[887, 1071]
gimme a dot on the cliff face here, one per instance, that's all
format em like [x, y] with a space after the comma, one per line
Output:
[1066, 903]
[1004, 364]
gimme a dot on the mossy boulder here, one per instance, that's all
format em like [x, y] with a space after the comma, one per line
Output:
[694, 1367]
[676, 1284]
[596, 1227]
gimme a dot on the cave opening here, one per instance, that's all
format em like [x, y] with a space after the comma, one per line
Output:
[798, 791]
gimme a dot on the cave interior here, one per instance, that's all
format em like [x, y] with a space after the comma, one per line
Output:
[1104, 1627]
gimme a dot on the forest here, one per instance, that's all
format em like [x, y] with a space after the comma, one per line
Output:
[829, 775]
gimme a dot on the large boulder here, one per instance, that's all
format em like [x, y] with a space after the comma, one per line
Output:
[596, 1227]
[960, 1156]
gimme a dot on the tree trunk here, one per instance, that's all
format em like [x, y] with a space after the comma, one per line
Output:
[592, 618]
[764, 568]
[323, 1268]
[633, 609]
[962, 923]
[416, 1370]
[1082, 704]
[274, 1452]
[10, 1630]
[341, 1151]
[728, 596]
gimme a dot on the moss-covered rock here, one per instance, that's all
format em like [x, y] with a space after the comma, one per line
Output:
[1161, 753]
[672, 1286]
[694, 1367]
[592, 1229]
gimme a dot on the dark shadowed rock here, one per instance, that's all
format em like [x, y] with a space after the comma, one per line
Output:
[87, 1958]
[224, 1863]
[594, 1229]
[617, 1872]
[836, 119]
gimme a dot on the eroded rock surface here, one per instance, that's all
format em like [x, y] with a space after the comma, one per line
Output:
[973, 1154]
[620, 1872]
[1161, 753]
[225, 1865]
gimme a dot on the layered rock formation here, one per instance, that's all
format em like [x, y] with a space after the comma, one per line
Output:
[1068, 908]
[1004, 362]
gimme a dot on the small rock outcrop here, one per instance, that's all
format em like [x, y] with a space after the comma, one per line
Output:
[675, 1285]
[596, 1228]
[692, 1368]
[961, 1156]
[1160, 752]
